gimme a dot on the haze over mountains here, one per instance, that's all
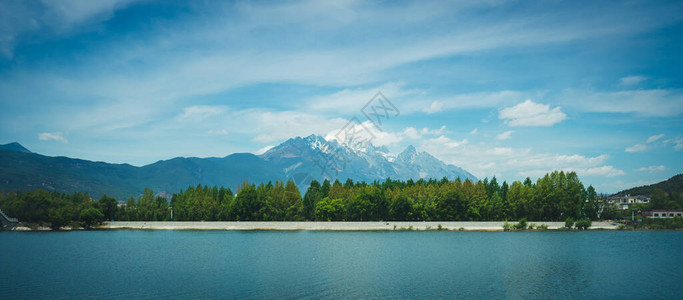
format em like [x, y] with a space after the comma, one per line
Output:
[298, 159]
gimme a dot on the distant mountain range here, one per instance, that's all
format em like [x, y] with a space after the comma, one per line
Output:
[671, 185]
[298, 159]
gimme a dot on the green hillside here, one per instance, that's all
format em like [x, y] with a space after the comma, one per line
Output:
[23, 170]
[671, 185]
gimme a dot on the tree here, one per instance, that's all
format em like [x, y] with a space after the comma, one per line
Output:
[592, 206]
[311, 198]
[492, 187]
[131, 209]
[556, 196]
[225, 198]
[325, 188]
[247, 206]
[369, 204]
[451, 206]
[59, 217]
[329, 210]
[91, 216]
[527, 182]
[146, 205]
[108, 206]
[659, 200]
[401, 208]
[292, 199]
[348, 183]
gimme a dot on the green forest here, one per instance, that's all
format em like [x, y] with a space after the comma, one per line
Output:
[556, 196]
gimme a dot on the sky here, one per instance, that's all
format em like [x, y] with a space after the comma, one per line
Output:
[500, 88]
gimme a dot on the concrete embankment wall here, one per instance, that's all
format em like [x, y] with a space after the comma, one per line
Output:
[483, 226]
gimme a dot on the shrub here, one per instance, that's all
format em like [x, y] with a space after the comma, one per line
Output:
[532, 226]
[461, 229]
[521, 225]
[439, 228]
[543, 227]
[583, 224]
[506, 226]
[569, 223]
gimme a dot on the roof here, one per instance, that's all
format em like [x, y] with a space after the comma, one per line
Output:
[667, 210]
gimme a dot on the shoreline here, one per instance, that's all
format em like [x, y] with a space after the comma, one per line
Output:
[333, 226]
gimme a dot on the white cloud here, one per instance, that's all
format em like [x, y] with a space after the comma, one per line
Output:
[353, 100]
[217, 132]
[471, 100]
[201, 112]
[529, 113]
[500, 151]
[412, 133]
[474, 131]
[651, 168]
[435, 107]
[636, 148]
[409, 133]
[483, 159]
[273, 126]
[224, 53]
[427, 131]
[52, 136]
[652, 143]
[654, 138]
[505, 135]
[443, 141]
[581, 160]
[263, 150]
[58, 17]
[648, 103]
[631, 80]
[600, 171]
[620, 185]
[678, 143]
[606, 171]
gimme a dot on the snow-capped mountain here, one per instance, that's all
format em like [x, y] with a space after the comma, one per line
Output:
[298, 159]
[318, 158]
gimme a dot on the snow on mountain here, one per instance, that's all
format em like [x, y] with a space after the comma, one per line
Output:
[317, 158]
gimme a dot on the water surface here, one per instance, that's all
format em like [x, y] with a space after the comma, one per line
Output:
[323, 264]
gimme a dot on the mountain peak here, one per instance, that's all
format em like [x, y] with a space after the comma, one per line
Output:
[14, 147]
[411, 149]
[409, 153]
[315, 155]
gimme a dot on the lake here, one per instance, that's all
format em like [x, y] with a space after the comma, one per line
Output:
[326, 264]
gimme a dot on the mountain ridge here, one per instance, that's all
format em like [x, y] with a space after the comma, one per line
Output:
[671, 185]
[366, 163]
[299, 159]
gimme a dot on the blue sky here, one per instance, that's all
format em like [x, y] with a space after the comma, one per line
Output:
[504, 88]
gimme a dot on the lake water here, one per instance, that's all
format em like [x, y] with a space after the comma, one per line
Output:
[318, 264]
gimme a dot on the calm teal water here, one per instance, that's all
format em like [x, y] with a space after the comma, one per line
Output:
[306, 264]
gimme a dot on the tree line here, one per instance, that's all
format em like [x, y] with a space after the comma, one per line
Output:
[554, 197]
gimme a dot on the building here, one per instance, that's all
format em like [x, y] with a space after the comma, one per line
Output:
[666, 213]
[624, 202]
[7, 222]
